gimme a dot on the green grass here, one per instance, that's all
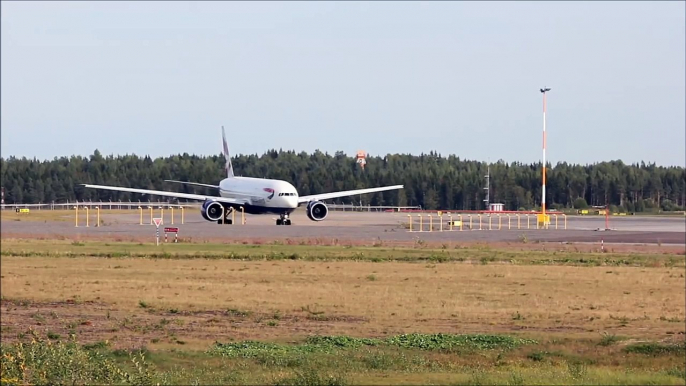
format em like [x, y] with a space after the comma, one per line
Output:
[331, 344]
[342, 360]
[280, 251]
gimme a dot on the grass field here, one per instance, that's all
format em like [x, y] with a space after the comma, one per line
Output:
[308, 314]
[70, 215]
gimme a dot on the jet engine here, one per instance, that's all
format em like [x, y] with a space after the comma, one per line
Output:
[317, 211]
[211, 211]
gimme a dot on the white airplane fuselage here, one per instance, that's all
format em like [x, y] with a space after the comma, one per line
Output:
[265, 195]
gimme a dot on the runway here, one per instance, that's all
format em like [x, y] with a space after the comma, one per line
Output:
[373, 226]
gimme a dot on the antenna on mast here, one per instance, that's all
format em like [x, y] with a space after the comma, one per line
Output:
[487, 188]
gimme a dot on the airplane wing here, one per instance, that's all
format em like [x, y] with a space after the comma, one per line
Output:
[198, 197]
[193, 183]
[326, 196]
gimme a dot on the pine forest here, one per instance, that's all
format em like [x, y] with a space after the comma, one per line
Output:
[431, 181]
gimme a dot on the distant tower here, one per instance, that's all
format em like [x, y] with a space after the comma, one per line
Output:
[361, 158]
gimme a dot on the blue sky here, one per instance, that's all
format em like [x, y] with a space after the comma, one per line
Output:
[407, 77]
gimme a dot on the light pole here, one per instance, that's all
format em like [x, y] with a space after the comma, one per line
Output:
[543, 91]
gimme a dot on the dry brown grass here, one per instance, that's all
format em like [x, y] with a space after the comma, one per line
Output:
[352, 298]
[69, 215]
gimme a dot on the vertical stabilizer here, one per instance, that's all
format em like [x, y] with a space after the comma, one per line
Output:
[228, 166]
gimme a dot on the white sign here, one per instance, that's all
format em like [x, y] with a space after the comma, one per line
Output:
[157, 221]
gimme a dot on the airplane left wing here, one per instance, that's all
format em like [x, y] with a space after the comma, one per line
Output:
[193, 183]
[326, 196]
[188, 196]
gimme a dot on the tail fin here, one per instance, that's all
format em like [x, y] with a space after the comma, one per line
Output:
[228, 166]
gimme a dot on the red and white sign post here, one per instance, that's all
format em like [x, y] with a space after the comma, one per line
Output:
[173, 230]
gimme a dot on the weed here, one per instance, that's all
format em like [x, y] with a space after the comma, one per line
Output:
[577, 369]
[53, 335]
[608, 339]
[515, 379]
[237, 312]
[38, 318]
[657, 349]
[311, 377]
[679, 372]
[537, 356]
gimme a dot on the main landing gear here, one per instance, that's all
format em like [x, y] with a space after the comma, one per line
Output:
[227, 217]
[284, 220]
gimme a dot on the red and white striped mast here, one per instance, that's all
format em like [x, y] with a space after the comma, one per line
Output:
[545, 223]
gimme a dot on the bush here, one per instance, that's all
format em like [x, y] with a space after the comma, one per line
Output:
[667, 205]
[580, 203]
[46, 362]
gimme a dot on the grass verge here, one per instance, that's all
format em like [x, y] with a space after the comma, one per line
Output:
[278, 251]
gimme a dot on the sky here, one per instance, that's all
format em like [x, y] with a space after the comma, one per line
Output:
[161, 78]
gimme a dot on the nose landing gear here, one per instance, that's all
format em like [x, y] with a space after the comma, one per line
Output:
[284, 220]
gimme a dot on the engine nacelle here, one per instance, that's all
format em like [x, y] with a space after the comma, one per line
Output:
[317, 211]
[211, 211]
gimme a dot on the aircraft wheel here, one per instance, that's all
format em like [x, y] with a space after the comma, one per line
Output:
[287, 222]
[279, 222]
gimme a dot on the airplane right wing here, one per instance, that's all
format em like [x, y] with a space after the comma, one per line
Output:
[345, 193]
[187, 196]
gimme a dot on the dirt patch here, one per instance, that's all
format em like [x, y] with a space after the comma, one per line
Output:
[94, 322]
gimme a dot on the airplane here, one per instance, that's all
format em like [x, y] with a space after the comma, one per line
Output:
[254, 195]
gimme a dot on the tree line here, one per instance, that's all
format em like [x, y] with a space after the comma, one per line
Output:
[431, 181]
